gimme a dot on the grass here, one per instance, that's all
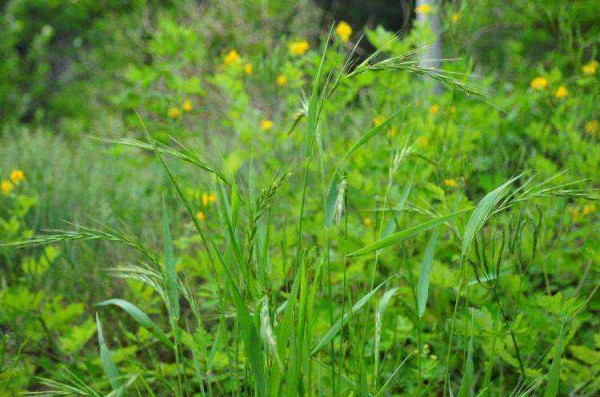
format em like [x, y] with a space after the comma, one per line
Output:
[283, 350]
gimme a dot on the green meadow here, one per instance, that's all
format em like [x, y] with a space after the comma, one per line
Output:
[299, 198]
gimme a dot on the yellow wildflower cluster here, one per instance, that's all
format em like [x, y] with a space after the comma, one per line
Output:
[206, 199]
[590, 68]
[392, 131]
[424, 9]
[561, 92]
[266, 125]
[6, 187]
[450, 183]
[231, 57]
[248, 69]
[187, 105]
[367, 222]
[578, 213]
[281, 80]
[344, 31]
[15, 178]
[298, 47]
[174, 113]
[455, 17]
[539, 83]
[434, 109]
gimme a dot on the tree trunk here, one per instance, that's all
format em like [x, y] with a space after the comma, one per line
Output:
[432, 58]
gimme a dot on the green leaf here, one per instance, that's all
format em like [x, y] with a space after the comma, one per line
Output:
[423, 286]
[405, 234]
[482, 213]
[331, 199]
[383, 304]
[139, 316]
[109, 367]
[391, 225]
[467, 380]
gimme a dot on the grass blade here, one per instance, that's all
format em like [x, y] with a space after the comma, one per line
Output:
[335, 328]
[423, 286]
[467, 380]
[333, 190]
[370, 134]
[405, 234]
[250, 334]
[554, 374]
[482, 213]
[109, 367]
[171, 276]
[388, 382]
[139, 316]
[383, 304]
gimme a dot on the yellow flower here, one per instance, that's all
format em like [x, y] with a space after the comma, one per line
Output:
[344, 31]
[575, 214]
[424, 9]
[452, 109]
[590, 68]
[298, 47]
[367, 222]
[455, 17]
[422, 141]
[174, 113]
[231, 58]
[450, 182]
[281, 80]
[200, 216]
[17, 176]
[393, 131]
[539, 83]
[6, 187]
[561, 92]
[433, 109]
[588, 209]
[591, 127]
[266, 125]
[208, 198]
[378, 120]
[187, 105]
[248, 69]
